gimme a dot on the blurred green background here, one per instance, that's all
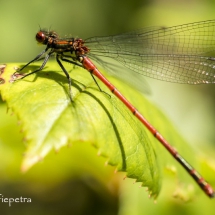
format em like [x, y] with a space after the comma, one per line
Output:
[58, 185]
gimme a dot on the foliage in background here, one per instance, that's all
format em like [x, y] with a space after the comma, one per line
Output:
[57, 184]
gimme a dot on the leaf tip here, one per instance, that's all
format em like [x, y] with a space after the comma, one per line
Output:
[28, 162]
[134, 181]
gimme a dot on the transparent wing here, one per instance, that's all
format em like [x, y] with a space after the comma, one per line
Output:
[113, 68]
[169, 54]
[173, 68]
[194, 38]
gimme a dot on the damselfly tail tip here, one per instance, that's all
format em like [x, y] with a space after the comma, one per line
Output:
[209, 191]
[212, 195]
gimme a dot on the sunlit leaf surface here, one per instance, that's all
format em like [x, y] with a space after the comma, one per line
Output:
[49, 120]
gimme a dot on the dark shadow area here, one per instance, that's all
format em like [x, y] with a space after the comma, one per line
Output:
[78, 196]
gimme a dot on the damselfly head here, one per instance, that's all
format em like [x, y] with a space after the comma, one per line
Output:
[43, 36]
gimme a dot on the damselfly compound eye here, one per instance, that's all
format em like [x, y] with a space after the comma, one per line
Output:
[40, 37]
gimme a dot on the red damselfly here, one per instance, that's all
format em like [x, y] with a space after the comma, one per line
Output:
[171, 54]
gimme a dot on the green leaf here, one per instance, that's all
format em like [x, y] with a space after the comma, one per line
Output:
[50, 121]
